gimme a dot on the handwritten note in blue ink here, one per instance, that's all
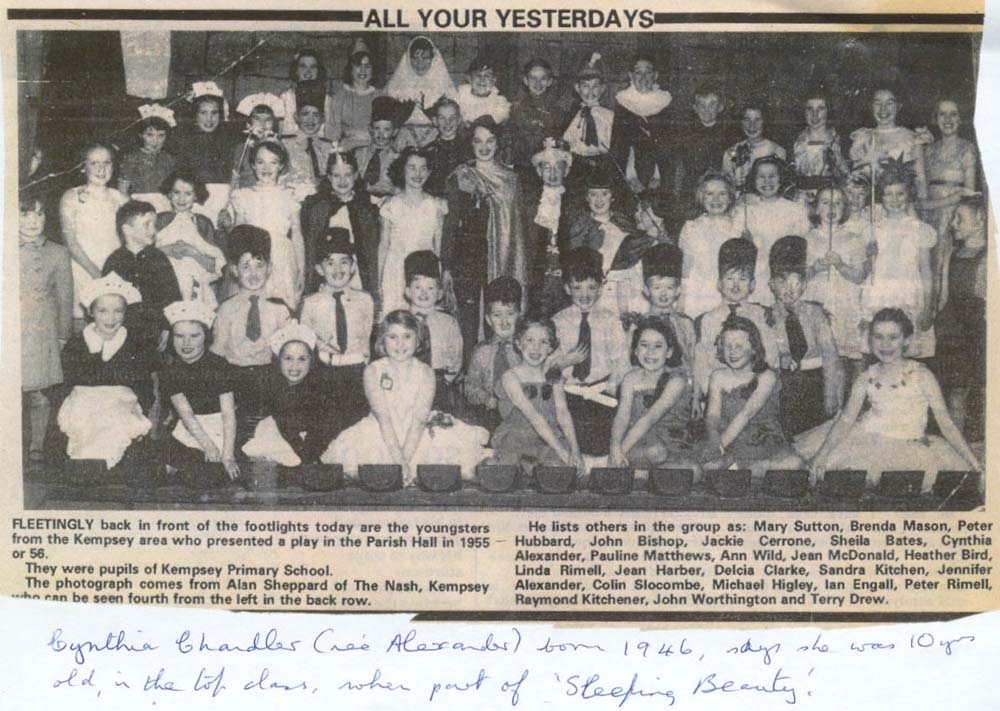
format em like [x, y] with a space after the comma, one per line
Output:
[58, 655]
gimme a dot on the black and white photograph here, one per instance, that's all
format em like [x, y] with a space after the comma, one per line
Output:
[681, 271]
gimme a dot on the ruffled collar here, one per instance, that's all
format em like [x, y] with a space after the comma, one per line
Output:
[367, 92]
[644, 104]
[97, 344]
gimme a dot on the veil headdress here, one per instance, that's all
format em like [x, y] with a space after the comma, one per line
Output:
[426, 90]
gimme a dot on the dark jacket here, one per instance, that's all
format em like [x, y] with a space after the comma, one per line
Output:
[316, 213]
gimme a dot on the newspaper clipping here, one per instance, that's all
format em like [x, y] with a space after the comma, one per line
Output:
[563, 312]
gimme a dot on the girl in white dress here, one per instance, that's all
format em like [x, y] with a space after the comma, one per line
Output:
[402, 429]
[411, 221]
[902, 275]
[892, 434]
[87, 216]
[700, 240]
[768, 217]
[272, 207]
[840, 260]
[871, 148]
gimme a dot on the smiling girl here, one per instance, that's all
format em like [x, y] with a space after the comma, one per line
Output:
[411, 221]
[485, 235]
[700, 240]
[537, 429]
[307, 65]
[198, 385]
[892, 433]
[109, 373]
[272, 207]
[351, 112]
[952, 166]
[839, 263]
[768, 216]
[902, 275]
[188, 239]
[296, 427]
[871, 148]
[402, 429]
[87, 217]
[654, 406]
[743, 418]
[339, 202]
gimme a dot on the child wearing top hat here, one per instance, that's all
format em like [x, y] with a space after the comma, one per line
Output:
[811, 377]
[246, 321]
[737, 262]
[443, 347]
[342, 317]
[374, 159]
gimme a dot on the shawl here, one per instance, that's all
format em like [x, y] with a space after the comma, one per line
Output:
[407, 85]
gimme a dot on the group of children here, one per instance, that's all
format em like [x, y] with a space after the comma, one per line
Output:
[492, 283]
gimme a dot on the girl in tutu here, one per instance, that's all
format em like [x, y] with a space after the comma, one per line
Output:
[892, 434]
[402, 429]
[654, 406]
[295, 429]
[199, 386]
[537, 428]
[109, 372]
[743, 417]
